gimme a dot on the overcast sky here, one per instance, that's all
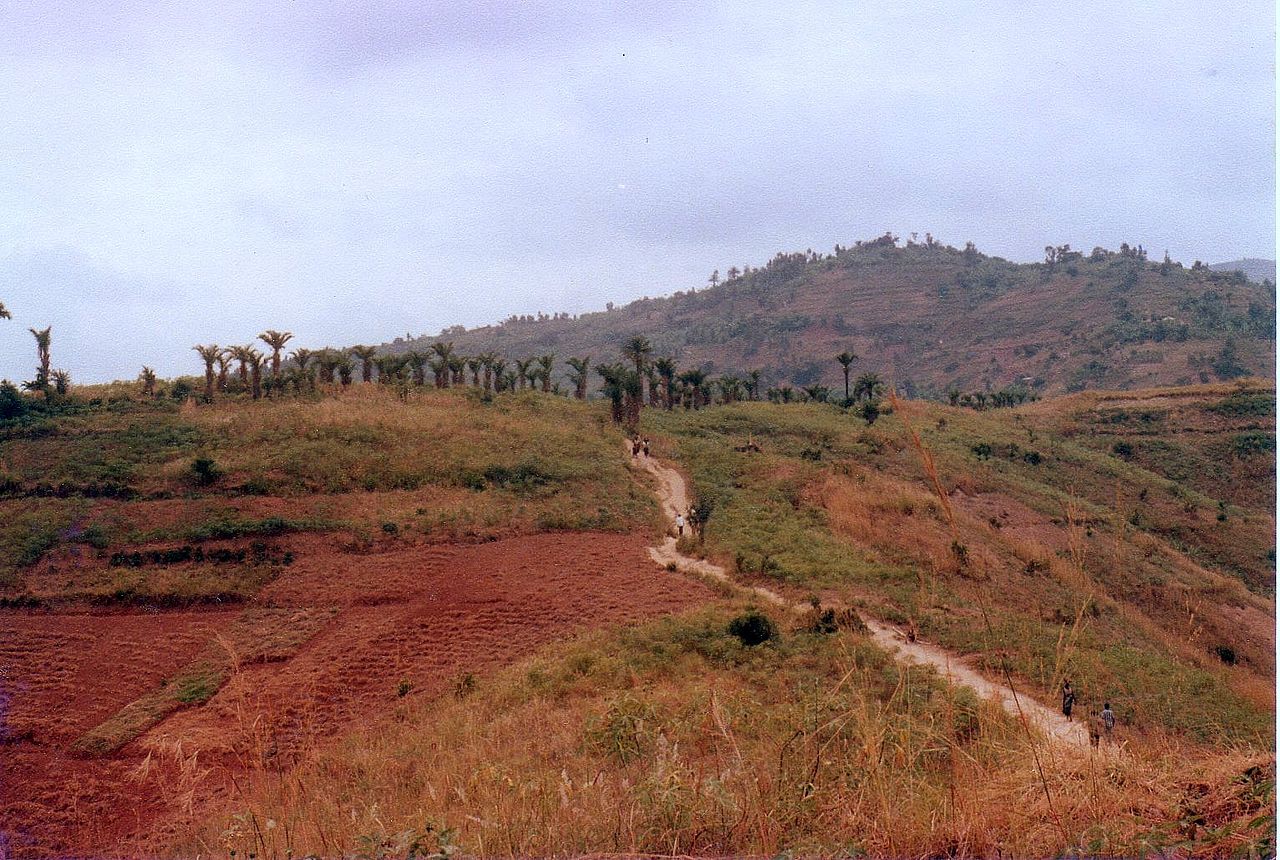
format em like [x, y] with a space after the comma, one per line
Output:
[183, 173]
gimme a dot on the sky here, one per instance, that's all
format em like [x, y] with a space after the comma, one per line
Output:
[181, 173]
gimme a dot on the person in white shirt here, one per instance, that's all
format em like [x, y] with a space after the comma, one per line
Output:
[680, 524]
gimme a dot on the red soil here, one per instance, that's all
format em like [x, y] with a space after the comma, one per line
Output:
[61, 674]
[426, 615]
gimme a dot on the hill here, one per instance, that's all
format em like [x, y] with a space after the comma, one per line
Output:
[1254, 269]
[933, 318]
[377, 617]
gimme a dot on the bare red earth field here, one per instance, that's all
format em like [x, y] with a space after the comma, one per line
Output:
[417, 618]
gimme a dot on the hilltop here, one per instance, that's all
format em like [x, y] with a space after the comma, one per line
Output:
[1254, 269]
[931, 318]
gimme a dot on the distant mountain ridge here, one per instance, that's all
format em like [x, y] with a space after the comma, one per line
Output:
[932, 318]
[1254, 268]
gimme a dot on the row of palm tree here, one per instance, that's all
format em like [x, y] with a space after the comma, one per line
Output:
[639, 379]
[670, 387]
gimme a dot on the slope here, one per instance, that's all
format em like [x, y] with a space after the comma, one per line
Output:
[932, 318]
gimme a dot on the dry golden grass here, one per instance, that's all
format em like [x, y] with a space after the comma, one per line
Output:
[818, 749]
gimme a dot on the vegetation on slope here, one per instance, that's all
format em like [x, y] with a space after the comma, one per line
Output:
[932, 318]
[678, 738]
[1064, 561]
[92, 491]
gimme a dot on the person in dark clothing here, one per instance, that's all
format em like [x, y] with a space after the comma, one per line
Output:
[1108, 721]
[1068, 699]
[644, 447]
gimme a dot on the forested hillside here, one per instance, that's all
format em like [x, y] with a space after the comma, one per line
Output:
[932, 318]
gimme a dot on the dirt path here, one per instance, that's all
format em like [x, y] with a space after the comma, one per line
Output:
[673, 495]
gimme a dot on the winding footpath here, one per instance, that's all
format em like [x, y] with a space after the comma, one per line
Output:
[674, 498]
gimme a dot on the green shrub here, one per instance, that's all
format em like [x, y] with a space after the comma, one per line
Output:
[205, 471]
[752, 628]
[1253, 443]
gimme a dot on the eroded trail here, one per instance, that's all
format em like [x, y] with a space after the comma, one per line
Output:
[673, 495]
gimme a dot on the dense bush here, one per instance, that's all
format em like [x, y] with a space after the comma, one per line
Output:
[752, 628]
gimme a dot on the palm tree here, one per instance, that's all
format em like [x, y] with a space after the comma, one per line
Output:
[224, 367]
[499, 374]
[846, 358]
[391, 368]
[486, 360]
[638, 349]
[868, 386]
[666, 367]
[696, 380]
[327, 360]
[546, 363]
[43, 338]
[61, 381]
[366, 355]
[148, 379]
[209, 355]
[457, 369]
[580, 375]
[276, 340]
[418, 361]
[256, 360]
[345, 368]
[443, 349]
[303, 358]
[624, 388]
[474, 365]
[244, 355]
[817, 393]
[522, 371]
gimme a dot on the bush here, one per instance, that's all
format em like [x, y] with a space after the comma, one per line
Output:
[1122, 449]
[752, 628]
[12, 403]
[205, 471]
[1250, 444]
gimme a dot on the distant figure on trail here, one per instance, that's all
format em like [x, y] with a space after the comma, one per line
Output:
[1108, 721]
[680, 525]
[911, 630]
[695, 519]
[1094, 723]
[645, 446]
[1068, 700]
[635, 447]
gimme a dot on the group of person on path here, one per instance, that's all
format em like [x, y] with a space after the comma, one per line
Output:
[1100, 725]
[692, 518]
[639, 445]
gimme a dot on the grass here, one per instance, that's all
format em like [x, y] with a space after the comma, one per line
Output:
[112, 475]
[673, 738]
[837, 507]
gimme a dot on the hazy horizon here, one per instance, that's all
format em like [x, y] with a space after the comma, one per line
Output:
[189, 175]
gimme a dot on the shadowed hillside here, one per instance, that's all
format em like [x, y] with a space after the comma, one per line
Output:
[932, 318]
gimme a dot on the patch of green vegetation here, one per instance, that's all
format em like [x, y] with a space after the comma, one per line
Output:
[1246, 404]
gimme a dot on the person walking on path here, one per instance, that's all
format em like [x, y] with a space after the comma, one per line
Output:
[1108, 721]
[635, 446]
[1068, 700]
[680, 525]
[1094, 723]
[645, 447]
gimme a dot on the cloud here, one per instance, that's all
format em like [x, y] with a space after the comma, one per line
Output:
[355, 171]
